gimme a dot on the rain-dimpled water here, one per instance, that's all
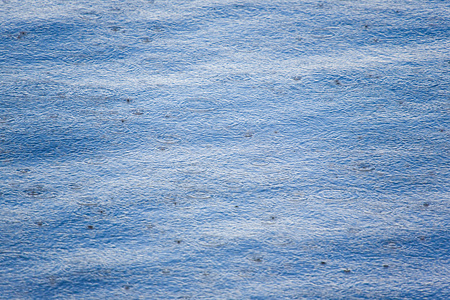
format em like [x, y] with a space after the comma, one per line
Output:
[224, 149]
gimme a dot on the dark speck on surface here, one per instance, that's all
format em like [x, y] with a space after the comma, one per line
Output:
[22, 34]
[258, 259]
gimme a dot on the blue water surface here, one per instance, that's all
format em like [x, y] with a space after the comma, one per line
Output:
[224, 149]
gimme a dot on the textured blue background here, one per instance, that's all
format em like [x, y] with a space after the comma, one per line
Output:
[224, 149]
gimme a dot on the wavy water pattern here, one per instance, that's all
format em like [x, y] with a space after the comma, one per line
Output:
[224, 149]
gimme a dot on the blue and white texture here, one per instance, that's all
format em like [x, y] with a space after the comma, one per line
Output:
[224, 149]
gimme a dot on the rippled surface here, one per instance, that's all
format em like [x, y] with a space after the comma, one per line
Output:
[224, 149]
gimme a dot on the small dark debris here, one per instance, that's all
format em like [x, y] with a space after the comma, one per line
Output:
[273, 217]
[364, 167]
[248, 134]
[297, 78]
[21, 34]
[127, 287]
[162, 148]
[422, 238]
[128, 100]
[123, 120]
[323, 263]
[347, 271]
[178, 241]
[337, 82]
[39, 223]
[426, 204]
[257, 259]
[33, 192]
[236, 206]
[385, 266]
[90, 227]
